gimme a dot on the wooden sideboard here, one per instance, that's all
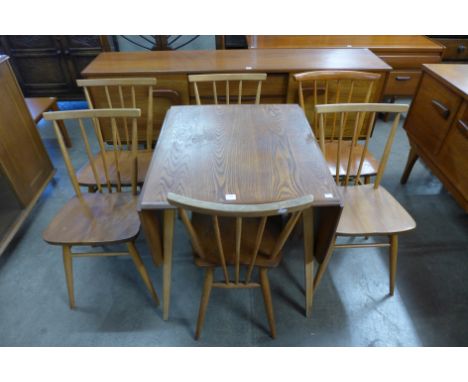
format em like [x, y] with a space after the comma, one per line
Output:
[437, 127]
[25, 167]
[171, 68]
[405, 54]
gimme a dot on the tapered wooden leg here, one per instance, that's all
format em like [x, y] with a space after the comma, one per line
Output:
[412, 158]
[265, 283]
[308, 226]
[92, 188]
[62, 127]
[323, 266]
[168, 237]
[204, 301]
[140, 266]
[393, 261]
[367, 179]
[68, 265]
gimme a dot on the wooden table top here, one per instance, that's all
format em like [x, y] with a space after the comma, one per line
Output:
[455, 75]
[260, 153]
[376, 43]
[212, 61]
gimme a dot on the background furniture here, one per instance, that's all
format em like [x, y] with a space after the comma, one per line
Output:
[38, 105]
[49, 65]
[369, 210]
[96, 219]
[437, 127]
[251, 154]
[456, 47]
[240, 235]
[120, 93]
[25, 167]
[172, 69]
[405, 54]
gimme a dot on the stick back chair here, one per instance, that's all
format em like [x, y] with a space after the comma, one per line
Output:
[369, 210]
[333, 87]
[102, 218]
[120, 93]
[237, 235]
[227, 93]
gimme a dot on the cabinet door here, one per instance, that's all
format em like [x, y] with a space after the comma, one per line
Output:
[453, 157]
[39, 64]
[23, 157]
[431, 114]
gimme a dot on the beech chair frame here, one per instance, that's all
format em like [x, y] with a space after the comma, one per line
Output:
[79, 116]
[295, 207]
[227, 77]
[340, 111]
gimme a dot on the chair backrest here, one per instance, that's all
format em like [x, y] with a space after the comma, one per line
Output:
[240, 212]
[123, 93]
[341, 112]
[227, 78]
[331, 87]
[113, 116]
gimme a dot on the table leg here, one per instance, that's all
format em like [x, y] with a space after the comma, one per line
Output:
[168, 236]
[308, 226]
[412, 158]
[152, 228]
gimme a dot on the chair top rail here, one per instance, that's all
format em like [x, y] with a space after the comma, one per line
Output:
[336, 75]
[227, 77]
[137, 81]
[93, 113]
[361, 107]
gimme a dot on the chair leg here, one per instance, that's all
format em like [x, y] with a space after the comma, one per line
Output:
[142, 270]
[92, 188]
[267, 298]
[68, 265]
[393, 261]
[208, 284]
[367, 179]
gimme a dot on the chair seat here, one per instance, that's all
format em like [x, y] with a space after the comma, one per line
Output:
[38, 105]
[96, 219]
[370, 164]
[368, 211]
[85, 174]
[203, 225]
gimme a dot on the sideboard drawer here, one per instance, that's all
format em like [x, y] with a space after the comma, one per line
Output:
[431, 115]
[402, 83]
[453, 157]
[455, 49]
[410, 61]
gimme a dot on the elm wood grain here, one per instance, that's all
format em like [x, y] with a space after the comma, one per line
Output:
[435, 127]
[97, 219]
[238, 235]
[24, 162]
[39, 105]
[369, 210]
[260, 153]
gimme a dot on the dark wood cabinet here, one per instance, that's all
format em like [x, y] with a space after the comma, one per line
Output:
[50, 65]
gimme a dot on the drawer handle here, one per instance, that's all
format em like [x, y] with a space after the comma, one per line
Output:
[444, 110]
[463, 128]
[461, 48]
[402, 78]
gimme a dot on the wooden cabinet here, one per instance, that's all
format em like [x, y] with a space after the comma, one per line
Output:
[405, 54]
[456, 47]
[50, 65]
[24, 164]
[437, 127]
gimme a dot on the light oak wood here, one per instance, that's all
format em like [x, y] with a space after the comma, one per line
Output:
[369, 210]
[243, 237]
[24, 162]
[97, 219]
[259, 153]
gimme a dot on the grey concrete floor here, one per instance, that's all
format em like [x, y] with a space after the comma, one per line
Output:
[351, 306]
